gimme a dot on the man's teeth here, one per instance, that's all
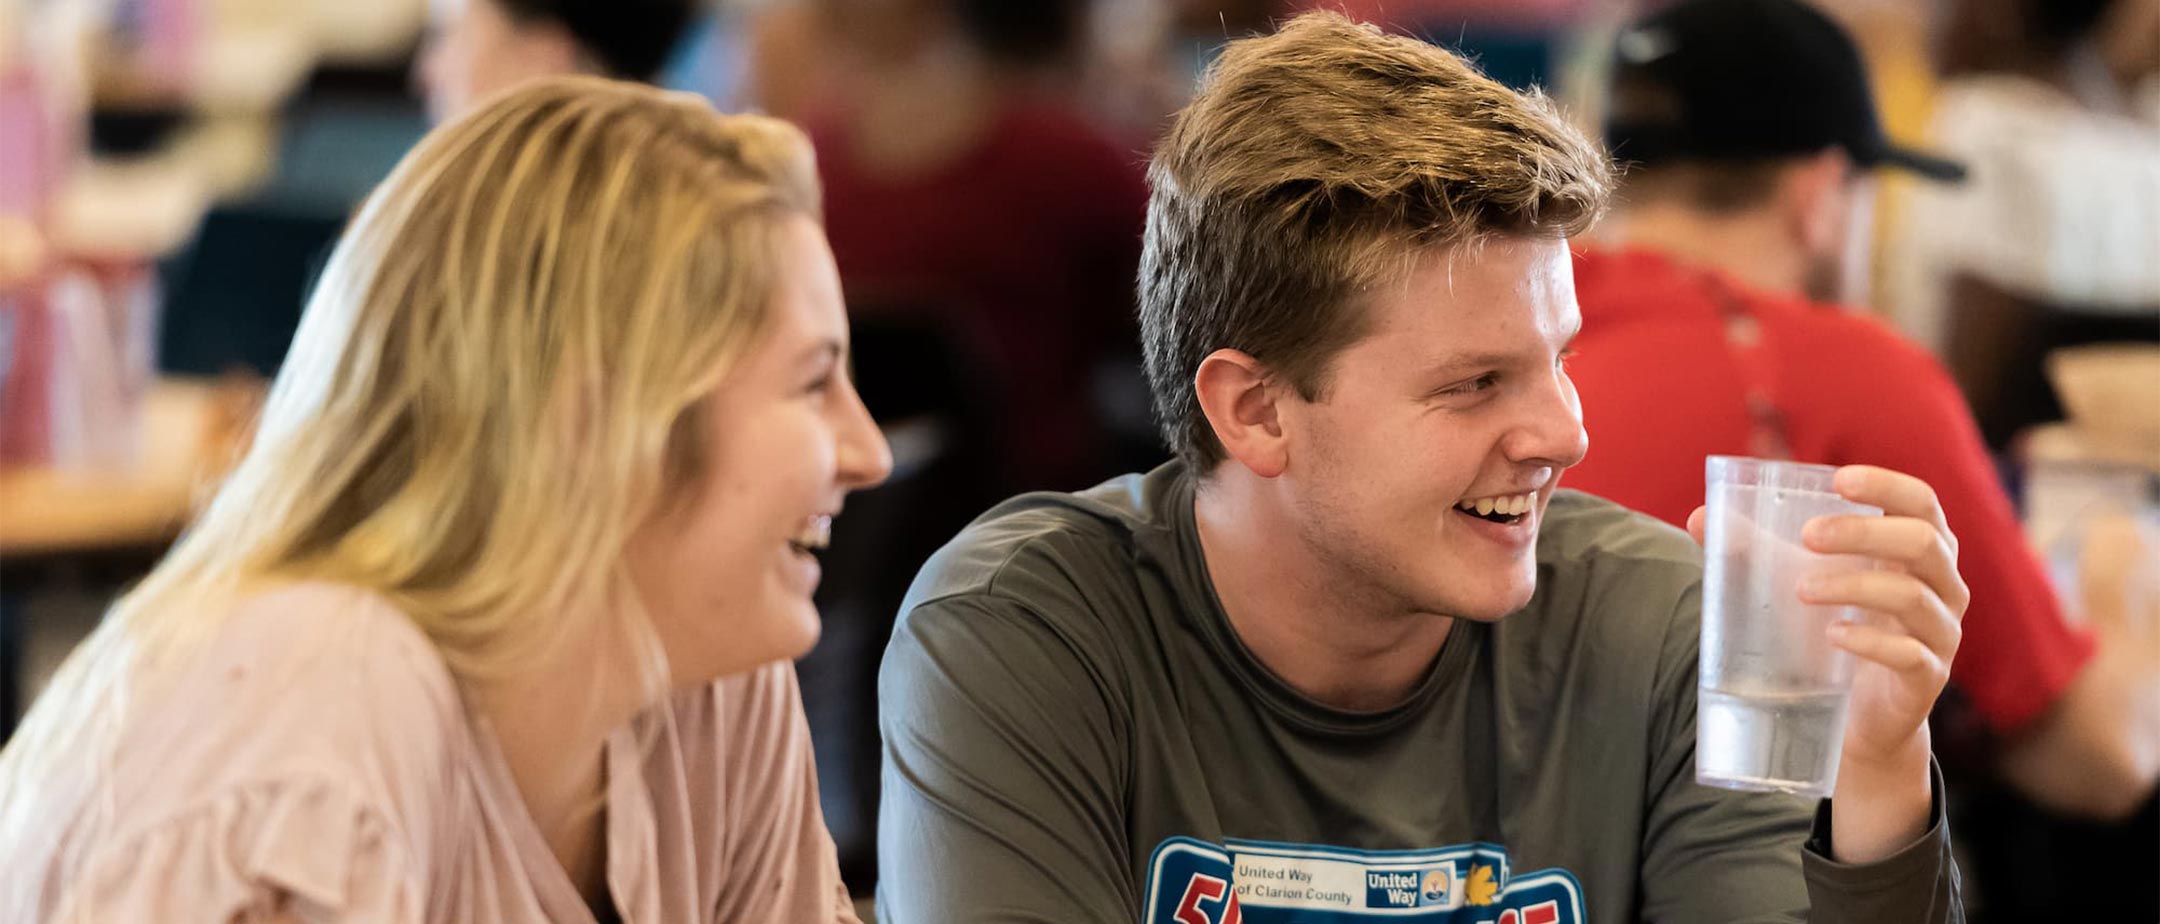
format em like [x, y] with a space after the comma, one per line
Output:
[1508, 505]
[817, 534]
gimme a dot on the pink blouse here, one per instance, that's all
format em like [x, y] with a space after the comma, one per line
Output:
[314, 762]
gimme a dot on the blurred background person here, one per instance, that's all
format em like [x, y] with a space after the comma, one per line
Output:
[1521, 43]
[2055, 105]
[2038, 284]
[1710, 327]
[475, 48]
[491, 622]
[979, 213]
[987, 226]
[235, 290]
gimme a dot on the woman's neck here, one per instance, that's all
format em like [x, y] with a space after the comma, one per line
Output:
[553, 736]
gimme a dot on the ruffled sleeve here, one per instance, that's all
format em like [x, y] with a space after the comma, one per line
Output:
[285, 850]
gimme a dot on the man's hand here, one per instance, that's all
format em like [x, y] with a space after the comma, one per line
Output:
[1912, 604]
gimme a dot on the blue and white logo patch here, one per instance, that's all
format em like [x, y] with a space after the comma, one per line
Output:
[1258, 882]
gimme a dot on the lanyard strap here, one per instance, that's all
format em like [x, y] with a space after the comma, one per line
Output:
[1744, 340]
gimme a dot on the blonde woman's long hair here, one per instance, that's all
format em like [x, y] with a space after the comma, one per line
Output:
[490, 390]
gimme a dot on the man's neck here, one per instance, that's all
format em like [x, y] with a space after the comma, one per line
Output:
[1749, 247]
[1330, 642]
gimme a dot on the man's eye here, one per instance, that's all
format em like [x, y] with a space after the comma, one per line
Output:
[1475, 385]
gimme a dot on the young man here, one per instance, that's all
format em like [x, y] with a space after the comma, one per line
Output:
[1353, 657]
[476, 48]
[1751, 135]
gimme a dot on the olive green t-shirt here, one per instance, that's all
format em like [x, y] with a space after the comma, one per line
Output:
[1074, 733]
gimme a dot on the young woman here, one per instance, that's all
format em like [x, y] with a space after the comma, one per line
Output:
[492, 623]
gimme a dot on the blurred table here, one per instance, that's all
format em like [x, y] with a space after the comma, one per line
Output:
[49, 511]
[60, 526]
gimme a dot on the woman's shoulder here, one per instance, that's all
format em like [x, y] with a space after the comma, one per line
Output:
[317, 633]
[340, 658]
[321, 665]
[308, 734]
[312, 680]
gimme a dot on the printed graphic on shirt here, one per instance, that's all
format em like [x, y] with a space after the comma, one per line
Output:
[1258, 882]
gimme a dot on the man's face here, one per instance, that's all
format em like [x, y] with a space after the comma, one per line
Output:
[1456, 397]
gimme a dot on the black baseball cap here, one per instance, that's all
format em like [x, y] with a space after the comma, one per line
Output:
[1743, 79]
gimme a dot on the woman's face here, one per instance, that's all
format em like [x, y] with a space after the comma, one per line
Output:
[728, 568]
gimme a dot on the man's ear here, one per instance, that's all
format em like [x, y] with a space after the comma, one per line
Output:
[1239, 397]
[1815, 195]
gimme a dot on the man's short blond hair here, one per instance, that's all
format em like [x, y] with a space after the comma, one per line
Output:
[1313, 163]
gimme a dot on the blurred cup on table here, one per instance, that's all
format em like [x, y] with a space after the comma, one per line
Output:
[2092, 489]
[2111, 394]
[79, 359]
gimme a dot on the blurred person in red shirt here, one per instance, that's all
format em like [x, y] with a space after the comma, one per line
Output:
[970, 191]
[476, 48]
[1707, 330]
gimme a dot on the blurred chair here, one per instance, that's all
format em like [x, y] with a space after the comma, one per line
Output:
[233, 297]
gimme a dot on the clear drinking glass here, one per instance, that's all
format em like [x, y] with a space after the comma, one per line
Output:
[1770, 712]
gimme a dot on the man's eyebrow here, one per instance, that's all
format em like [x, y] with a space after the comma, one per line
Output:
[1463, 362]
[1474, 359]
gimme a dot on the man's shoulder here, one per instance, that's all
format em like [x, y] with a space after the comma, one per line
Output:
[1042, 549]
[1582, 530]
[1614, 568]
[1615, 589]
[1046, 592]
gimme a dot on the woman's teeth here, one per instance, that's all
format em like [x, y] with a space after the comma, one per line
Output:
[1511, 505]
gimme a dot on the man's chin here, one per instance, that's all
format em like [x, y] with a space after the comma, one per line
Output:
[1493, 605]
[1486, 616]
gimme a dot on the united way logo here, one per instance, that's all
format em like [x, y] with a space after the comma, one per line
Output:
[1260, 882]
[1434, 890]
